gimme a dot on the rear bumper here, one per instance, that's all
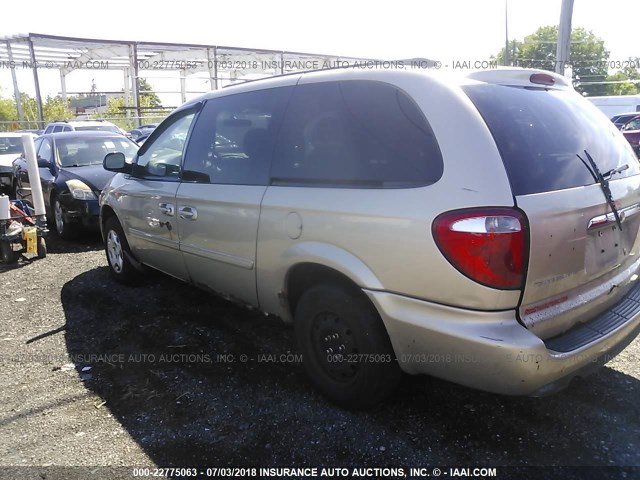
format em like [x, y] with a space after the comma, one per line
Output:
[491, 351]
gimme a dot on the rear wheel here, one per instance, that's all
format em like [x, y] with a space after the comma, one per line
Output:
[345, 347]
[6, 253]
[65, 229]
[118, 252]
[42, 247]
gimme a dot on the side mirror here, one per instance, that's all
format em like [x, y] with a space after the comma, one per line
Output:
[115, 162]
[43, 163]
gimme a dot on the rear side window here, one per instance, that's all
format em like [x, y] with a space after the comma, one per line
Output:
[233, 139]
[355, 134]
[540, 133]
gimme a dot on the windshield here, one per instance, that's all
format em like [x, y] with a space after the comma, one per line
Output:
[539, 133]
[11, 145]
[78, 152]
[101, 128]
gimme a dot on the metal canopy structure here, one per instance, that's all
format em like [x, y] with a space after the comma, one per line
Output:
[221, 64]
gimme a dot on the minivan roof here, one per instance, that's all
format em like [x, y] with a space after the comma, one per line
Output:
[527, 77]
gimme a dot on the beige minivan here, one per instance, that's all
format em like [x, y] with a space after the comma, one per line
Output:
[482, 229]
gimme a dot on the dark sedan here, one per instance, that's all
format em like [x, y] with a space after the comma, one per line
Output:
[72, 176]
[622, 118]
[631, 131]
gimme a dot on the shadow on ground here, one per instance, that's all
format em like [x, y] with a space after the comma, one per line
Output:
[166, 359]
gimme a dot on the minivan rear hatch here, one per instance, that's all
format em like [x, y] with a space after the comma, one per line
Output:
[557, 148]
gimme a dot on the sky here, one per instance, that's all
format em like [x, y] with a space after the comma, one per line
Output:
[462, 30]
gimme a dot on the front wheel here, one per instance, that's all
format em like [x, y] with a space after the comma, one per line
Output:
[118, 252]
[345, 347]
[66, 230]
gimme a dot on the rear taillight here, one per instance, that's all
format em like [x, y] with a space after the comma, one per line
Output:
[488, 245]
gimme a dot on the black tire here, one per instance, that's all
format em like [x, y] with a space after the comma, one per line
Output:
[345, 348]
[42, 248]
[117, 250]
[7, 254]
[65, 230]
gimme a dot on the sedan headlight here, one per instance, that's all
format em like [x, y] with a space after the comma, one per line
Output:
[80, 190]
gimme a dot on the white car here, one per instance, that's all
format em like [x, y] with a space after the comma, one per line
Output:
[10, 149]
[75, 125]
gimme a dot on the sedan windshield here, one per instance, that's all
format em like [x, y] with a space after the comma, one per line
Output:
[78, 152]
[10, 145]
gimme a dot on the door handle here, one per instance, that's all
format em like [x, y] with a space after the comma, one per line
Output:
[167, 209]
[188, 213]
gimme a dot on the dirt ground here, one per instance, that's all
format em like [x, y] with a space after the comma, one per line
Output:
[162, 374]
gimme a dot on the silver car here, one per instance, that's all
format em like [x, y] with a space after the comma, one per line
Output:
[482, 229]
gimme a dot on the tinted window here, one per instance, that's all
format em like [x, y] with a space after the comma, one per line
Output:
[358, 134]
[57, 128]
[81, 151]
[632, 125]
[163, 157]
[36, 144]
[233, 139]
[49, 129]
[540, 133]
[46, 152]
[11, 145]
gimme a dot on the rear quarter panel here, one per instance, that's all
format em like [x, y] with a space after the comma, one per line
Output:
[386, 233]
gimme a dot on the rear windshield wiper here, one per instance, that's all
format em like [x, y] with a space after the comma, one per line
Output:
[613, 171]
[603, 180]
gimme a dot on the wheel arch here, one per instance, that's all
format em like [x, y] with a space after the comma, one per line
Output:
[106, 212]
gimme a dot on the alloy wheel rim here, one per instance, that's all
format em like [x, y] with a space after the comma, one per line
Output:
[58, 216]
[114, 251]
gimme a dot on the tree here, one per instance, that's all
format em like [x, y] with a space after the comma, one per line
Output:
[147, 96]
[8, 113]
[588, 57]
[630, 75]
[117, 111]
[55, 108]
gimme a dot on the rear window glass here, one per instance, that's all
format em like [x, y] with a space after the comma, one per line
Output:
[355, 134]
[540, 133]
[11, 145]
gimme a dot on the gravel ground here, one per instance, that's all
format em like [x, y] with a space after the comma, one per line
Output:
[97, 374]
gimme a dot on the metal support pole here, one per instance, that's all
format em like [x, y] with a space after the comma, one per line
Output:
[16, 91]
[133, 58]
[213, 85]
[506, 33]
[127, 91]
[564, 36]
[183, 85]
[63, 85]
[215, 65]
[36, 82]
